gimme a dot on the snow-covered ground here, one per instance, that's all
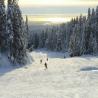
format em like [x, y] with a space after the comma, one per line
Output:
[65, 78]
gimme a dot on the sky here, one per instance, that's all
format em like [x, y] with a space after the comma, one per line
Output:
[55, 10]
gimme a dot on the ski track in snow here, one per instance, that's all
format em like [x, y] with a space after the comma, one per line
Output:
[64, 78]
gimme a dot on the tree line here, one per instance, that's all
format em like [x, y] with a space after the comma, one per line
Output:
[13, 32]
[78, 37]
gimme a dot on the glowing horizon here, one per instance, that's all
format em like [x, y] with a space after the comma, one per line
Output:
[58, 10]
[57, 18]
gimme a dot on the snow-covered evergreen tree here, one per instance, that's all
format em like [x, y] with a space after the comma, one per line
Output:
[59, 41]
[27, 32]
[2, 26]
[63, 36]
[96, 22]
[83, 40]
[19, 44]
[88, 32]
[9, 28]
[93, 37]
[80, 35]
[35, 40]
[42, 39]
[69, 30]
[75, 45]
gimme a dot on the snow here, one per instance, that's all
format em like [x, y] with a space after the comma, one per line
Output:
[64, 78]
[4, 62]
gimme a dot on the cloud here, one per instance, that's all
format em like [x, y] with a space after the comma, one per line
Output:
[43, 10]
[54, 10]
[55, 18]
[44, 3]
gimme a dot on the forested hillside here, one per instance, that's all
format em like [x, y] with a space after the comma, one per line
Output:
[13, 32]
[79, 36]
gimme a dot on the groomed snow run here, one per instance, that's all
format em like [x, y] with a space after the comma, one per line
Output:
[65, 78]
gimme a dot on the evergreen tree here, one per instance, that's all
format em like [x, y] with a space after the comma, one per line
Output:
[63, 36]
[35, 40]
[59, 41]
[9, 28]
[76, 38]
[2, 26]
[19, 43]
[94, 37]
[96, 27]
[83, 40]
[26, 31]
[88, 31]
[79, 36]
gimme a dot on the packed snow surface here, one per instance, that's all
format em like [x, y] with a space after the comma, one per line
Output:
[65, 77]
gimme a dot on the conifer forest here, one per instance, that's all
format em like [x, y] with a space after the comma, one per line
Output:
[48, 48]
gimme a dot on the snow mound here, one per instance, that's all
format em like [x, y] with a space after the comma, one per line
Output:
[29, 58]
[89, 69]
[4, 61]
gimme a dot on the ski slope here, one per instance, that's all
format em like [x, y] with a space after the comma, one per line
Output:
[65, 78]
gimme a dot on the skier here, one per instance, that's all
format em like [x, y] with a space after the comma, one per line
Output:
[64, 56]
[41, 61]
[46, 65]
[47, 58]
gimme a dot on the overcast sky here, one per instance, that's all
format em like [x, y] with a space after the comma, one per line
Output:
[56, 7]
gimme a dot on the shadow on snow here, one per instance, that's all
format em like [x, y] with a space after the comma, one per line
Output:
[89, 69]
